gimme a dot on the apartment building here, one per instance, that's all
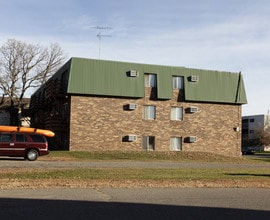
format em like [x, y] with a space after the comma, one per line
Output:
[252, 127]
[96, 105]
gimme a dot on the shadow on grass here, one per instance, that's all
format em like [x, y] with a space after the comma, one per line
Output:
[248, 174]
[263, 157]
[64, 209]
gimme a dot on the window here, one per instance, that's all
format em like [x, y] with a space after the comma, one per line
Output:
[148, 143]
[245, 121]
[178, 82]
[150, 80]
[5, 137]
[176, 144]
[149, 112]
[177, 113]
[20, 138]
[37, 138]
[252, 120]
[245, 131]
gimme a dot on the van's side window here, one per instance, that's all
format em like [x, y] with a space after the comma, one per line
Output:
[37, 138]
[20, 138]
[5, 137]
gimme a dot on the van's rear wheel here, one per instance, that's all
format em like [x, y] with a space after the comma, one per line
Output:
[32, 155]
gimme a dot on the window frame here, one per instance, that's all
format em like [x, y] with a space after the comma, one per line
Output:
[149, 112]
[178, 82]
[150, 80]
[176, 115]
[176, 143]
[21, 138]
[6, 138]
[36, 138]
[148, 143]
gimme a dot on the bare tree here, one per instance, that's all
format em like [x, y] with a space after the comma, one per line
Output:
[265, 136]
[24, 66]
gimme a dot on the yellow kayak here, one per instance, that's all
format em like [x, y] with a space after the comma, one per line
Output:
[44, 132]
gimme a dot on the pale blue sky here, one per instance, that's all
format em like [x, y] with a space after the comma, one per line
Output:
[225, 35]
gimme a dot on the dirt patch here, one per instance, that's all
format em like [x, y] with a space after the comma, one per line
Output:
[66, 183]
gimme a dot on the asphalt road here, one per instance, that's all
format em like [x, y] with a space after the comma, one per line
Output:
[43, 164]
[132, 203]
[137, 203]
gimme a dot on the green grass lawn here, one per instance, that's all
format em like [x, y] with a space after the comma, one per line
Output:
[141, 174]
[151, 156]
[243, 175]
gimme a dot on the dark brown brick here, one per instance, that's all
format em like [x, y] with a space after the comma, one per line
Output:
[101, 123]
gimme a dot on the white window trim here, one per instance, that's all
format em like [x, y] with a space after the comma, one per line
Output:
[149, 111]
[146, 143]
[174, 116]
[178, 82]
[150, 80]
[176, 144]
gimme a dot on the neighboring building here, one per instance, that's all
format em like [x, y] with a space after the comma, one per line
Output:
[4, 118]
[9, 115]
[95, 105]
[252, 126]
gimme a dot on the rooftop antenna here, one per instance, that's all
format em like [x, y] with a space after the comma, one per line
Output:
[100, 36]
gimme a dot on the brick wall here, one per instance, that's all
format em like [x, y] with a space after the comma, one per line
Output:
[101, 123]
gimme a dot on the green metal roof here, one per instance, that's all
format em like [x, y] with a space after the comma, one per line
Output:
[98, 77]
[110, 78]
